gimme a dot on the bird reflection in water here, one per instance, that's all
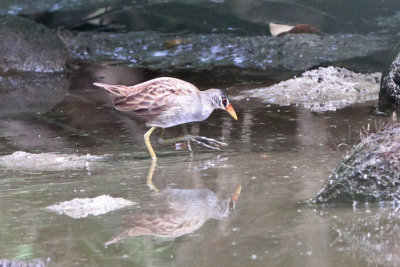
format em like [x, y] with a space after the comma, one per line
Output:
[177, 212]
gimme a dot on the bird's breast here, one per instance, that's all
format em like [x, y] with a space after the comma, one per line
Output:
[180, 114]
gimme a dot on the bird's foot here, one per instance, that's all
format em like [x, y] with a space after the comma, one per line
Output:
[205, 141]
[200, 140]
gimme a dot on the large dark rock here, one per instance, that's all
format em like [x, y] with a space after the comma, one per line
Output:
[389, 94]
[239, 17]
[29, 46]
[370, 173]
[266, 54]
[26, 7]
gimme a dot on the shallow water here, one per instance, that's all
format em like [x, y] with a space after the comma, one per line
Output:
[281, 156]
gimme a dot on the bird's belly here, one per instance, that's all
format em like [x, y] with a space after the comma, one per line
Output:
[171, 118]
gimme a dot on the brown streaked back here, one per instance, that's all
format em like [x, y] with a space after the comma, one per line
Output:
[149, 99]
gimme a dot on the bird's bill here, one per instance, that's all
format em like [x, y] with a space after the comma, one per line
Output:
[231, 111]
[234, 199]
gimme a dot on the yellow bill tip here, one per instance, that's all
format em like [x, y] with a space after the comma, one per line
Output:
[235, 197]
[231, 111]
[238, 190]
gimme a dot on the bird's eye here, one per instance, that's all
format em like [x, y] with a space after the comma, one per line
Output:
[224, 101]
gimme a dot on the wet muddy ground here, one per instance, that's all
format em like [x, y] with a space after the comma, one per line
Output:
[280, 155]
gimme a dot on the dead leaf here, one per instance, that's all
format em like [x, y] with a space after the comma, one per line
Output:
[281, 29]
[303, 28]
[277, 29]
[175, 42]
[180, 146]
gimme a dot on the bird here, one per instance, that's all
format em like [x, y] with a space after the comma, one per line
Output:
[165, 102]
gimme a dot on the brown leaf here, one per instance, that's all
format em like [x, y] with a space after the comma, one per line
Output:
[281, 29]
[303, 28]
[180, 146]
[175, 42]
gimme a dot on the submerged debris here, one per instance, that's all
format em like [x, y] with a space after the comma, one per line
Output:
[370, 173]
[323, 89]
[82, 207]
[46, 161]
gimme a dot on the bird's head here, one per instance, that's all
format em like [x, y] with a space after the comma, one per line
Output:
[220, 101]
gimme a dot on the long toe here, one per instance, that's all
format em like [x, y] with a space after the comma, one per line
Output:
[206, 142]
[209, 141]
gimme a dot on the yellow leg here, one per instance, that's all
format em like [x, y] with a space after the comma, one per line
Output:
[147, 142]
[150, 176]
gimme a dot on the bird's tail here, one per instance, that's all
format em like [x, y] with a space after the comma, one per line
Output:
[118, 90]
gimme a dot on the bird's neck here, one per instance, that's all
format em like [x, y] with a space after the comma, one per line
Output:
[206, 104]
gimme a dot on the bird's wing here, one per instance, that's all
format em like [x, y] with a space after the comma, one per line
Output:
[150, 98]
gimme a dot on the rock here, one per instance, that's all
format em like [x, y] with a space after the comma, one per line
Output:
[21, 263]
[82, 207]
[370, 173]
[389, 94]
[26, 94]
[323, 89]
[168, 16]
[264, 54]
[47, 161]
[29, 46]
[172, 17]
[26, 7]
